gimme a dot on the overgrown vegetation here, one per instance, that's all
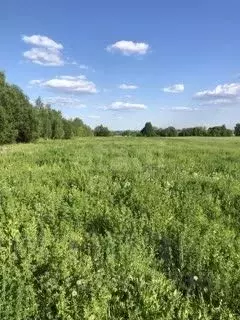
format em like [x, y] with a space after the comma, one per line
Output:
[113, 228]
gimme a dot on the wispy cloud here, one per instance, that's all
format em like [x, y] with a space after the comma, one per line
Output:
[92, 116]
[34, 82]
[121, 106]
[176, 88]
[179, 108]
[83, 66]
[129, 47]
[69, 84]
[128, 86]
[66, 102]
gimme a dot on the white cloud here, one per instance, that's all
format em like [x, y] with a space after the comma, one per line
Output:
[42, 41]
[184, 109]
[128, 86]
[45, 57]
[129, 47]
[82, 77]
[121, 106]
[228, 90]
[223, 101]
[179, 108]
[33, 82]
[66, 102]
[45, 52]
[176, 88]
[70, 84]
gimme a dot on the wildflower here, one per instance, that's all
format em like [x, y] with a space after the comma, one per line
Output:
[74, 293]
[195, 278]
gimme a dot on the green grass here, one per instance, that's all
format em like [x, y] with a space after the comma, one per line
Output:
[120, 228]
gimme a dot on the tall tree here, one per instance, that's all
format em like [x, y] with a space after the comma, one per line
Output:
[101, 131]
[148, 130]
[237, 129]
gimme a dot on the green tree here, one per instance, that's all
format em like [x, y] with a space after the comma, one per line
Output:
[148, 130]
[57, 125]
[68, 129]
[17, 114]
[237, 129]
[101, 131]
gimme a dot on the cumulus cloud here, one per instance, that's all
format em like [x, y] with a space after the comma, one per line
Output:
[224, 91]
[45, 57]
[66, 102]
[128, 86]
[129, 47]
[121, 106]
[176, 88]
[42, 41]
[45, 52]
[70, 84]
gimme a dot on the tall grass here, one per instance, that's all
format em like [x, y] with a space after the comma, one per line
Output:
[120, 228]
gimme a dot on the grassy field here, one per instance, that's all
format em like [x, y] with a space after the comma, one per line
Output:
[120, 228]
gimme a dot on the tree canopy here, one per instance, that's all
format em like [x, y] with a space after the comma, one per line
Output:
[20, 121]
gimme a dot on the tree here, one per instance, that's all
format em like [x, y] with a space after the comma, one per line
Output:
[170, 132]
[101, 131]
[237, 129]
[67, 128]
[148, 130]
[219, 131]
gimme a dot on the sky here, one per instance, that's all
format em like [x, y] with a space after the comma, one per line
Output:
[123, 63]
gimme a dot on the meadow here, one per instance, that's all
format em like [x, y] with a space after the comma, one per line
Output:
[120, 228]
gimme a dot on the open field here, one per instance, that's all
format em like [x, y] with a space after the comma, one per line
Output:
[120, 228]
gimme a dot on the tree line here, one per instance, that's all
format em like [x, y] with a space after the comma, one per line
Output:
[20, 121]
[150, 131]
[217, 131]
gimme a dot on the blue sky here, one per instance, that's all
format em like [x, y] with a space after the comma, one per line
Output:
[122, 63]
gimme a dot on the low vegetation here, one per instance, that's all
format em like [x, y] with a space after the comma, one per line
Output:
[110, 228]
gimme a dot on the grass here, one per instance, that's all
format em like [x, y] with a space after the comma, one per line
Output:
[120, 228]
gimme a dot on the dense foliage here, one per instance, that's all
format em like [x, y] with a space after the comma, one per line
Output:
[217, 131]
[101, 131]
[22, 122]
[237, 129]
[120, 229]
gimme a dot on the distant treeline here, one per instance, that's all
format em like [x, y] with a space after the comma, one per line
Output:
[20, 121]
[151, 131]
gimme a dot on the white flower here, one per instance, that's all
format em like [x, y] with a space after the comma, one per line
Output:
[195, 278]
[74, 293]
